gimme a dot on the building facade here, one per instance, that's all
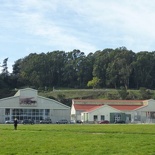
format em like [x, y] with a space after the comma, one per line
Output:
[27, 104]
[130, 111]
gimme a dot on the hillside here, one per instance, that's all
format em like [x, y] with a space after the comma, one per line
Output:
[65, 96]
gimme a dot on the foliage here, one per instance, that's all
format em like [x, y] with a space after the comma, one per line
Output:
[115, 68]
[145, 93]
[5, 92]
[94, 82]
[5, 67]
[77, 139]
[123, 93]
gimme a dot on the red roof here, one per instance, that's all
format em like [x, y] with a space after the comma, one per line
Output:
[85, 107]
[125, 107]
[102, 100]
[90, 107]
[95, 107]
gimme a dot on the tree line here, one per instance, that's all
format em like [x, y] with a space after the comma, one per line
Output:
[114, 68]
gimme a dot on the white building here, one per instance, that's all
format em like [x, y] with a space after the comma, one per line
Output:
[26, 104]
[135, 111]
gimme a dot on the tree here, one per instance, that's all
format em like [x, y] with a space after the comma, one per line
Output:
[5, 67]
[145, 93]
[4, 76]
[144, 67]
[123, 93]
[73, 68]
[101, 61]
[120, 67]
[94, 82]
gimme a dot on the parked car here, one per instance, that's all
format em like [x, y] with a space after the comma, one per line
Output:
[72, 122]
[28, 121]
[79, 121]
[46, 121]
[62, 121]
[9, 122]
[104, 122]
[120, 122]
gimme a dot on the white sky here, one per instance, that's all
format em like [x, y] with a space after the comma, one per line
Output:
[36, 26]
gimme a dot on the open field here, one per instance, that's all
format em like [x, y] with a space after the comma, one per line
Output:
[73, 139]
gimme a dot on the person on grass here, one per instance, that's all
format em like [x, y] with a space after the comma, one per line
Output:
[15, 123]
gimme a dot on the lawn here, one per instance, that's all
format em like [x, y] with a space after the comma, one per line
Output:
[73, 139]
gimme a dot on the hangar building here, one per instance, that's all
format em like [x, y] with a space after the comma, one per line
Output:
[27, 104]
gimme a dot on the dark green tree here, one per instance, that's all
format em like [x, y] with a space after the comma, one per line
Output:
[145, 93]
[144, 67]
[123, 93]
[120, 67]
[100, 65]
[5, 71]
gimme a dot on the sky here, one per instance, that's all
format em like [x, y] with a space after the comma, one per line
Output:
[41, 26]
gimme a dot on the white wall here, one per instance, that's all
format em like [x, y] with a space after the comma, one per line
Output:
[2, 113]
[73, 110]
[43, 102]
[104, 110]
[27, 92]
[9, 102]
[73, 113]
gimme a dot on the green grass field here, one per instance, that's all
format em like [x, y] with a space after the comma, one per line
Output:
[73, 139]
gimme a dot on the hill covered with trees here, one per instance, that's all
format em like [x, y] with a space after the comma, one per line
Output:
[111, 68]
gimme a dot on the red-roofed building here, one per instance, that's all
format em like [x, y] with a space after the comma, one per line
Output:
[90, 111]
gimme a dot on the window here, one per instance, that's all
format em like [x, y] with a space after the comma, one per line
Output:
[102, 117]
[95, 118]
[21, 114]
[47, 112]
[7, 111]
